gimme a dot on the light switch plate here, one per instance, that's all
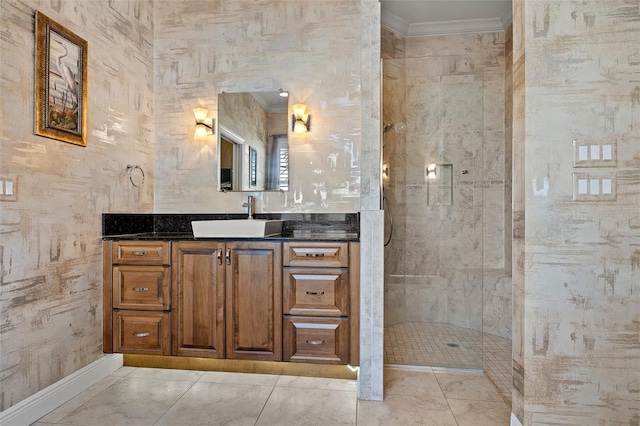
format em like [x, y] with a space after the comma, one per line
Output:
[8, 188]
[594, 186]
[595, 153]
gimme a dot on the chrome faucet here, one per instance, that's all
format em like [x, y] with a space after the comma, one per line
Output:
[249, 205]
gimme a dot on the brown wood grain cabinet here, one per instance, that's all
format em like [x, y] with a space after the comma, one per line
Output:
[320, 302]
[251, 300]
[198, 299]
[137, 297]
[227, 300]
[254, 300]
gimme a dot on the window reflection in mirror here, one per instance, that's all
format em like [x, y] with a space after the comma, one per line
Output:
[253, 150]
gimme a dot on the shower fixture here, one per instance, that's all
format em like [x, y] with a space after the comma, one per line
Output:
[398, 127]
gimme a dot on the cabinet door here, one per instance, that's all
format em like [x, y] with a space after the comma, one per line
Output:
[198, 299]
[254, 300]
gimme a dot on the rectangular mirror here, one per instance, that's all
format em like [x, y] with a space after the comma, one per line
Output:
[253, 150]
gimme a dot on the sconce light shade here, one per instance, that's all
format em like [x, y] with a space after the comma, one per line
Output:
[300, 120]
[204, 124]
[431, 171]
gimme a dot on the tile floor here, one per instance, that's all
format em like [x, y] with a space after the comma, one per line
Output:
[437, 344]
[145, 396]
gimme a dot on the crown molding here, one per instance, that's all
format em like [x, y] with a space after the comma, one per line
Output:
[507, 16]
[467, 26]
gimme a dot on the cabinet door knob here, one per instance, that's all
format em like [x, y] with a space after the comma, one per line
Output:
[141, 289]
[139, 253]
[228, 256]
[315, 293]
[219, 256]
[315, 342]
[140, 334]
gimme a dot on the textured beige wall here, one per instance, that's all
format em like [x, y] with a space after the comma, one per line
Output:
[581, 268]
[311, 49]
[50, 250]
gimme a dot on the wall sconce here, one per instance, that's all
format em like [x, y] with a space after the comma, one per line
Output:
[300, 120]
[204, 124]
[431, 171]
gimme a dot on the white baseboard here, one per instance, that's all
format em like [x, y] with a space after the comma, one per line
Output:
[515, 421]
[48, 399]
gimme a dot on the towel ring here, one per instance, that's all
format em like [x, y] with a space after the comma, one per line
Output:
[130, 169]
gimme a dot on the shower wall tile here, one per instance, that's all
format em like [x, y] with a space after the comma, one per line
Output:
[464, 298]
[493, 170]
[461, 104]
[392, 45]
[496, 315]
[395, 301]
[426, 301]
[493, 253]
[493, 103]
[492, 217]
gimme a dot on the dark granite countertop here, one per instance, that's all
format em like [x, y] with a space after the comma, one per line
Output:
[184, 236]
[174, 227]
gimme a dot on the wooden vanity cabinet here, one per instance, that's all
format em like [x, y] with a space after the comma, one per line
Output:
[227, 300]
[198, 299]
[137, 276]
[254, 300]
[250, 300]
[320, 302]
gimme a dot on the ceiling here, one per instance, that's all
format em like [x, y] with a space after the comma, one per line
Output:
[417, 18]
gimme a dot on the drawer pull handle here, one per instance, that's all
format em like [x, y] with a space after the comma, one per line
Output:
[141, 289]
[315, 254]
[140, 253]
[315, 293]
[140, 334]
[315, 342]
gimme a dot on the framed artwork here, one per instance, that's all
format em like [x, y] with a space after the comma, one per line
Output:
[61, 83]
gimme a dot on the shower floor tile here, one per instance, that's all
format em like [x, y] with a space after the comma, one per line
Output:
[450, 346]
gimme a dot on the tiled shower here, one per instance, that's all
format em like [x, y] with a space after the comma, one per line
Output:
[446, 182]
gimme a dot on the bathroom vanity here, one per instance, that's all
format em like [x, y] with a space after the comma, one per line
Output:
[293, 297]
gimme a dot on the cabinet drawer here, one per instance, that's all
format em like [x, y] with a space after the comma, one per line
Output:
[317, 340]
[141, 287]
[141, 332]
[316, 254]
[141, 252]
[316, 291]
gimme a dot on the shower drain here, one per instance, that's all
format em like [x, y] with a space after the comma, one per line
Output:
[453, 345]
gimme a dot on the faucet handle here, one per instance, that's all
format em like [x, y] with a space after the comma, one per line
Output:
[249, 205]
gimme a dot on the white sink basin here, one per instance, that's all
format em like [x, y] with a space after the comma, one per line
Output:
[236, 228]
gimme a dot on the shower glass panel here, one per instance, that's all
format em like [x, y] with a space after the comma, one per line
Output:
[433, 143]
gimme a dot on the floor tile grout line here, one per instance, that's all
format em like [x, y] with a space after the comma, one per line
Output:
[273, 388]
[176, 401]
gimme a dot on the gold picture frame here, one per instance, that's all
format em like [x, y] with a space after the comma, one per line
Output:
[60, 83]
